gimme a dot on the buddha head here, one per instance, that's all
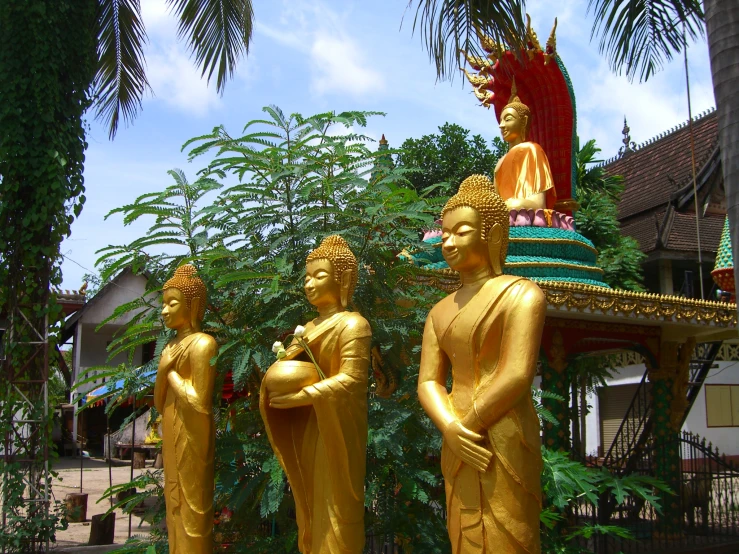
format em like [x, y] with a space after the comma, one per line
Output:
[515, 120]
[475, 224]
[331, 273]
[184, 299]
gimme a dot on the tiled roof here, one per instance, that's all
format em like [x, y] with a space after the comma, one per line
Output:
[683, 236]
[678, 231]
[659, 167]
[644, 229]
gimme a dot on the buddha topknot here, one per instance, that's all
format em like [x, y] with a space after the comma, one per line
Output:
[335, 249]
[186, 280]
[478, 192]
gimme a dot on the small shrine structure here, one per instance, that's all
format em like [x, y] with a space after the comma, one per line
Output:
[677, 337]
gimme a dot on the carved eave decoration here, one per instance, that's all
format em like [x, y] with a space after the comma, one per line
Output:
[571, 298]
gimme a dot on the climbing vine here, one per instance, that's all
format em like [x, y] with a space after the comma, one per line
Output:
[47, 61]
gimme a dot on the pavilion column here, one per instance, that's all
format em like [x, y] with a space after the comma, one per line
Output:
[669, 402]
[554, 379]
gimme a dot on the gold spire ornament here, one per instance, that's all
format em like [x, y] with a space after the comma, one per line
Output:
[183, 395]
[318, 427]
[488, 333]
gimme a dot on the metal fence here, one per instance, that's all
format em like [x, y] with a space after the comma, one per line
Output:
[708, 500]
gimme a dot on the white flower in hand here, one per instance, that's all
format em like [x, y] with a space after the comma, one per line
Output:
[277, 346]
[299, 331]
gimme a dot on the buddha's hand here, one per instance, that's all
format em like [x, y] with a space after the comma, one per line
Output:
[462, 443]
[289, 400]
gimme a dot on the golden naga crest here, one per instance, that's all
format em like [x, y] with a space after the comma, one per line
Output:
[482, 78]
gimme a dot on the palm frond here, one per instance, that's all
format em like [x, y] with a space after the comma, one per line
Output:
[639, 36]
[120, 81]
[448, 27]
[218, 31]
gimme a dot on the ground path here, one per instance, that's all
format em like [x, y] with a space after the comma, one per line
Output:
[95, 481]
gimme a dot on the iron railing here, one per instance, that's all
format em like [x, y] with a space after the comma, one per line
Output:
[708, 500]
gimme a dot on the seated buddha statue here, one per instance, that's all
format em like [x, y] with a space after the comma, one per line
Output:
[183, 395]
[523, 177]
[488, 333]
[319, 431]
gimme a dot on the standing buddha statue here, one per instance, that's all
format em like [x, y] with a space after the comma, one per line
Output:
[183, 395]
[523, 177]
[488, 332]
[318, 430]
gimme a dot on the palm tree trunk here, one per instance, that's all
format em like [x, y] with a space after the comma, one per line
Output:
[722, 27]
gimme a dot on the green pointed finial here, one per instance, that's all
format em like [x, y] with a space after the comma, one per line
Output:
[723, 271]
[384, 160]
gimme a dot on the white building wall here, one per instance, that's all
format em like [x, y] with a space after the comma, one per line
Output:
[725, 438]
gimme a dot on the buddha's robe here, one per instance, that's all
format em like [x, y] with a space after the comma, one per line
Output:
[188, 442]
[323, 447]
[495, 512]
[524, 171]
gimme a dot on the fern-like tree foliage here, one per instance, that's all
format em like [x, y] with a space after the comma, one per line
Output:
[264, 199]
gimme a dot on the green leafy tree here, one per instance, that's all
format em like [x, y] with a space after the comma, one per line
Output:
[298, 180]
[597, 219]
[447, 158]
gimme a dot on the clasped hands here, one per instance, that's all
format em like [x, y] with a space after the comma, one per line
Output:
[289, 400]
[462, 441]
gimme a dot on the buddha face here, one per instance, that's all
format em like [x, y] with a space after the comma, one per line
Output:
[175, 312]
[462, 244]
[321, 287]
[512, 126]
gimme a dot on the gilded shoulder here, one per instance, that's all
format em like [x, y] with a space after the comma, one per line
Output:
[529, 292]
[205, 343]
[357, 324]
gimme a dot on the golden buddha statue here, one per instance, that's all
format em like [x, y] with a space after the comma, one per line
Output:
[183, 394]
[319, 430]
[523, 177]
[489, 333]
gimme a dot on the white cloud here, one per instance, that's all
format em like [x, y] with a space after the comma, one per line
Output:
[177, 82]
[650, 108]
[337, 63]
[338, 67]
[174, 79]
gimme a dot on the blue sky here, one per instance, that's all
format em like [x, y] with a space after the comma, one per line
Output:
[310, 56]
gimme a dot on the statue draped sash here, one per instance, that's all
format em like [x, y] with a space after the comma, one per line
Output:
[495, 512]
[524, 171]
[188, 452]
[322, 447]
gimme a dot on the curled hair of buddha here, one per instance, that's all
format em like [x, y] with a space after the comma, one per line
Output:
[478, 192]
[335, 249]
[186, 280]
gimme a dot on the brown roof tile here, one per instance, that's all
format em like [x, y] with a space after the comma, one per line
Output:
[644, 229]
[683, 236]
[658, 168]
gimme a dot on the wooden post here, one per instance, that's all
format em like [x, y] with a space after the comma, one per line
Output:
[102, 529]
[139, 460]
[76, 507]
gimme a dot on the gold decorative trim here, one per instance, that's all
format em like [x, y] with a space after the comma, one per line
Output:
[578, 297]
[554, 264]
[567, 296]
